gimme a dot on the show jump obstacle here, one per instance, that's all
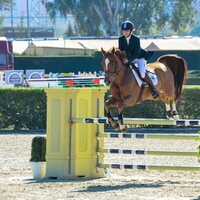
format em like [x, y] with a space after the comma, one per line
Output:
[75, 135]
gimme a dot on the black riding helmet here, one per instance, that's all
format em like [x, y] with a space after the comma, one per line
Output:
[127, 25]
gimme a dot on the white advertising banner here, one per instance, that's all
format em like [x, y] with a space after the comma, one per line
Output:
[15, 77]
[35, 74]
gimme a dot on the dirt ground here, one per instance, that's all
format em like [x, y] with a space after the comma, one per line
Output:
[16, 177]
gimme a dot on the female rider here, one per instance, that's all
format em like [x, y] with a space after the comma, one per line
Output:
[130, 44]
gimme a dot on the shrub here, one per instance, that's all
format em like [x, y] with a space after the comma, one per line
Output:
[193, 81]
[22, 108]
[25, 108]
[38, 149]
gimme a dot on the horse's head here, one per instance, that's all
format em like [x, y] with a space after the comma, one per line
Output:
[112, 63]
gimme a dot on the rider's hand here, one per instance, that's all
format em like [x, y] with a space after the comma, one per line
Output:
[126, 63]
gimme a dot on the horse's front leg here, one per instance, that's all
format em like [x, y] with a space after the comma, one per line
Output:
[126, 102]
[111, 102]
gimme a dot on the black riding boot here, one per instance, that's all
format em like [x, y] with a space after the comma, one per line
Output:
[155, 92]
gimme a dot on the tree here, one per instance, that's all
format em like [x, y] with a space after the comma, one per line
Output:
[6, 5]
[196, 28]
[103, 17]
[69, 32]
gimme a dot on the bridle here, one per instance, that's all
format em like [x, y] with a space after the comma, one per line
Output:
[114, 73]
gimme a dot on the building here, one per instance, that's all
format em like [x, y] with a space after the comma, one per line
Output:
[82, 54]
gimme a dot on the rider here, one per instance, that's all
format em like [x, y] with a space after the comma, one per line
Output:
[130, 44]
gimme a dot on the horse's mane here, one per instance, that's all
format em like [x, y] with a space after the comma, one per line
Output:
[121, 55]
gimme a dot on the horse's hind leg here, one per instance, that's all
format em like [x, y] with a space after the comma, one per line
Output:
[168, 109]
[174, 111]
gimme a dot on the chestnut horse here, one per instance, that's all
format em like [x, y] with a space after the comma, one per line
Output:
[171, 73]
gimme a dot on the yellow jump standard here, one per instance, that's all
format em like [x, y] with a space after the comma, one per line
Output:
[71, 148]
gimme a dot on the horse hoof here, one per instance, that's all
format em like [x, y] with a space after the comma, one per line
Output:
[124, 130]
[175, 115]
[169, 115]
[116, 127]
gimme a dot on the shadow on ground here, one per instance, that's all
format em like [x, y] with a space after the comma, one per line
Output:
[105, 188]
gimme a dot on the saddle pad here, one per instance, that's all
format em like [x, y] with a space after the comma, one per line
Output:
[153, 77]
[137, 78]
[151, 74]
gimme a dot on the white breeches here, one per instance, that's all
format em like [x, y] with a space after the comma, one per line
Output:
[141, 63]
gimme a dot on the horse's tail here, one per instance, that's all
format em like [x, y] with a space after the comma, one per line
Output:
[178, 66]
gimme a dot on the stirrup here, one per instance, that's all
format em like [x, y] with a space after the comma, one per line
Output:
[155, 94]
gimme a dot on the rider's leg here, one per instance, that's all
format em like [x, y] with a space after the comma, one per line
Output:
[155, 92]
[142, 68]
[141, 64]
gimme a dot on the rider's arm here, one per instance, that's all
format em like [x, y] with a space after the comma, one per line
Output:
[120, 44]
[135, 49]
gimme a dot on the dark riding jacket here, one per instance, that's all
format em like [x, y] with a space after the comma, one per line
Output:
[133, 49]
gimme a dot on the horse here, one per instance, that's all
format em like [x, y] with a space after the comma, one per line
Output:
[170, 69]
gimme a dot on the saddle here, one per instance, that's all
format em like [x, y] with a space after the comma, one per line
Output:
[136, 70]
[138, 77]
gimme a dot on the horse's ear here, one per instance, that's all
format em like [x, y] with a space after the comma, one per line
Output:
[103, 52]
[112, 50]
